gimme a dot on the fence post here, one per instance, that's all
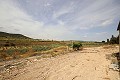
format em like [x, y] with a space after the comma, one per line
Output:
[119, 37]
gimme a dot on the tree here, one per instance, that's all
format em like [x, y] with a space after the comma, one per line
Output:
[114, 40]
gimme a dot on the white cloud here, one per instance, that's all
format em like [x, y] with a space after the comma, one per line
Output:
[107, 22]
[12, 16]
[102, 33]
[13, 19]
[63, 10]
[85, 36]
[92, 15]
[71, 18]
[47, 4]
[61, 22]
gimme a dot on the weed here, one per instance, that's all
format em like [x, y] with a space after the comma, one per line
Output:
[10, 51]
[23, 50]
[40, 48]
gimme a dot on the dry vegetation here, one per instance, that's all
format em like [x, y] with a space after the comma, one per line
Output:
[22, 51]
[89, 64]
[22, 48]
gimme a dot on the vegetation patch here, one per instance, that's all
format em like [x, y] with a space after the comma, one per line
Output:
[77, 46]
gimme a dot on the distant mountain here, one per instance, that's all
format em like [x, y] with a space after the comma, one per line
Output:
[12, 36]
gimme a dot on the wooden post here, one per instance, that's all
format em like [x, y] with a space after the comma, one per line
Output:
[119, 37]
[119, 48]
[119, 43]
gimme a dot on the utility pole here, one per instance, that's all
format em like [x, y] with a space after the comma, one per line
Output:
[118, 29]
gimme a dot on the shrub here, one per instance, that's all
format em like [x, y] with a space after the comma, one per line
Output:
[77, 46]
[40, 48]
[10, 51]
[24, 50]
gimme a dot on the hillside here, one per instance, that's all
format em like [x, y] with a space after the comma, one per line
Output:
[21, 40]
[12, 36]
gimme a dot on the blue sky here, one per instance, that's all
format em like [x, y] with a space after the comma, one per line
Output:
[89, 20]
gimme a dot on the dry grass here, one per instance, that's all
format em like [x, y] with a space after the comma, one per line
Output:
[16, 52]
[54, 52]
[109, 46]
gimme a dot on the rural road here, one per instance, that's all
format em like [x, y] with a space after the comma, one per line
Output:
[88, 64]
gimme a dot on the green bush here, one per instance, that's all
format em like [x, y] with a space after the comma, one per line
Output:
[77, 46]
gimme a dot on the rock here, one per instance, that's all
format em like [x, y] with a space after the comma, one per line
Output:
[114, 67]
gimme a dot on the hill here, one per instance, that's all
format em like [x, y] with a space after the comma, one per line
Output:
[12, 36]
[21, 40]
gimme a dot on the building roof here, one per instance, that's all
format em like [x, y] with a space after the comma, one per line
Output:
[118, 26]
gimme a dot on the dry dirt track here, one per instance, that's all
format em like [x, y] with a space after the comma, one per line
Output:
[89, 64]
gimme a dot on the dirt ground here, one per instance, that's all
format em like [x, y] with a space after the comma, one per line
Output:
[88, 64]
